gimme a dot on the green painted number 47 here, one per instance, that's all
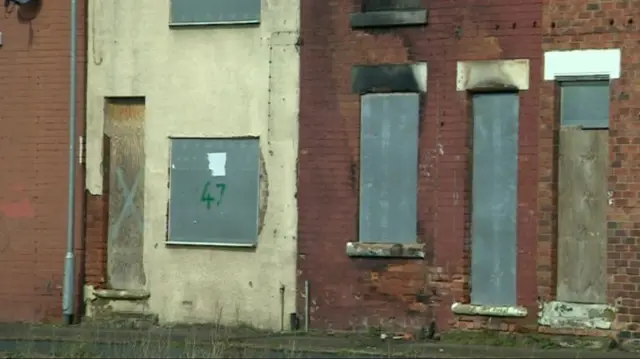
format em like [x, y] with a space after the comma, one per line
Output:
[208, 199]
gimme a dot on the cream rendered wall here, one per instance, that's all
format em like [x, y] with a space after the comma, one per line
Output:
[213, 81]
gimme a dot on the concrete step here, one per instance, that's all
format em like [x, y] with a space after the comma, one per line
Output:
[114, 308]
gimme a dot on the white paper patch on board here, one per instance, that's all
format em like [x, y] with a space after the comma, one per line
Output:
[217, 163]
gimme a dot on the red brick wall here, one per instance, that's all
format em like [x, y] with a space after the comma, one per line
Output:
[583, 24]
[34, 117]
[353, 293]
[96, 239]
[96, 229]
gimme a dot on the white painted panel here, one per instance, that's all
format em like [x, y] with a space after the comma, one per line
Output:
[582, 63]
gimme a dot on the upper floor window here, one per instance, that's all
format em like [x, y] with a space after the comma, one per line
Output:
[214, 12]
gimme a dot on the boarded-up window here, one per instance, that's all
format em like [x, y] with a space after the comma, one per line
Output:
[214, 187]
[585, 104]
[211, 12]
[384, 13]
[494, 236]
[389, 167]
[387, 5]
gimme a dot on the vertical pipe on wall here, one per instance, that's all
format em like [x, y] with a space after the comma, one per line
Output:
[282, 307]
[69, 260]
[306, 305]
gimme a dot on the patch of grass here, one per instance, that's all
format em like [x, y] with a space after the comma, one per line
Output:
[210, 342]
[503, 339]
[530, 340]
[77, 350]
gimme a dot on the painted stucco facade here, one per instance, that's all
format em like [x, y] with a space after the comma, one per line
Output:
[205, 82]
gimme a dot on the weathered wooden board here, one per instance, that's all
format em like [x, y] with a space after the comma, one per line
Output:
[124, 127]
[582, 215]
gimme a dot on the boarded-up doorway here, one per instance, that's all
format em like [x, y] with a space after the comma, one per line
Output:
[582, 191]
[582, 204]
[494, 196]
[124, 165]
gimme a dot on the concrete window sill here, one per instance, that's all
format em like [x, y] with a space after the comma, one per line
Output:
[118, 294]
[248, 23]
[489, 311]
[559, 314]
[388, 18]
[371, 250]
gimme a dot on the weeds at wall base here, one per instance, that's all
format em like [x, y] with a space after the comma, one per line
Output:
[41, 341]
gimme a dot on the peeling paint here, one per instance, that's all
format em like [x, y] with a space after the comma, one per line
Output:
[264, 193]
[489, 311]
[356, 249]
[557, 314]
[18, 209]
[17, 205]
[121, 294]
[496, 74]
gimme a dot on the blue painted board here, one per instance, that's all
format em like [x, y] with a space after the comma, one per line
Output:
[494, 199]
[210, 12]
[389, 167]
